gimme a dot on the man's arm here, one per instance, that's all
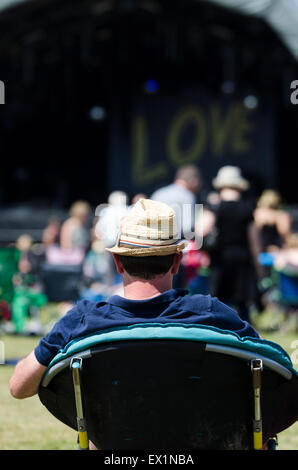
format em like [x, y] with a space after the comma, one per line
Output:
[26, 378]
[255, 246]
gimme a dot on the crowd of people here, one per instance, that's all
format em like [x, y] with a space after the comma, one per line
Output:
[243, 242]
[227, 244]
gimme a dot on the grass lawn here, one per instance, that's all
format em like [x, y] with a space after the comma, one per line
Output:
[27, 425]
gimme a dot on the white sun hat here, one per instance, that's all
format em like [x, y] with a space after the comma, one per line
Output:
[230, 177]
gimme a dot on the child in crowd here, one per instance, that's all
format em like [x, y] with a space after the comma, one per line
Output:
[28, 295]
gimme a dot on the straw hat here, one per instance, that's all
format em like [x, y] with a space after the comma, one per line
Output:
[230, 177]
[150, 229]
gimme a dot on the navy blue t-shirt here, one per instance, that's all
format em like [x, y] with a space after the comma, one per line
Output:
[175, 306]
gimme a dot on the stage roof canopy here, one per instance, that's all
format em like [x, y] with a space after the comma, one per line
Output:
[281, 15]
[11, 3]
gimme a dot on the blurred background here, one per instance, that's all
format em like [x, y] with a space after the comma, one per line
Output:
[100, 85]
[108, 99]
[105, 101]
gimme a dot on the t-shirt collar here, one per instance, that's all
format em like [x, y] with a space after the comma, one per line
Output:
[165, 297]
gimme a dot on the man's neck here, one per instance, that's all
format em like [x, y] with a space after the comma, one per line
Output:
[139, 289]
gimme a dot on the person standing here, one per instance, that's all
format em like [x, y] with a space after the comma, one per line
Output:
[74, 231]
[181, 195]
[273, 223]
[230, 226]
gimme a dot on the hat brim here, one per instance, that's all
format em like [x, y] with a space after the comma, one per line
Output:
[152, 251]
[241, 184]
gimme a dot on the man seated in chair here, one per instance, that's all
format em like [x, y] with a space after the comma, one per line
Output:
[147, 254]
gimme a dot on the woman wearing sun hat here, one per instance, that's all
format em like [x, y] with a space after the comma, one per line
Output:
[232, 277]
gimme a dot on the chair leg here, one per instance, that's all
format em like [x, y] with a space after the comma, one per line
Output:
[256, 369]
[76, 366]
[272, 443]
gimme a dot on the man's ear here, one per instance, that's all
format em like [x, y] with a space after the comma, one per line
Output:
[176, 263]
[119, 266]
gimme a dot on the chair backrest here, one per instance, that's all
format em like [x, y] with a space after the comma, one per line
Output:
[9, 258]
[164, 394]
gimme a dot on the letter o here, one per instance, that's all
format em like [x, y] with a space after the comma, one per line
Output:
[190, 115]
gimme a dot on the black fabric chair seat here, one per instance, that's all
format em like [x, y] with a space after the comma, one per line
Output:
[170, 395]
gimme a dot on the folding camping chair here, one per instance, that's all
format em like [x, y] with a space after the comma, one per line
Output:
[287, 296]
[171, 386]
[61, 282]
[282, 286]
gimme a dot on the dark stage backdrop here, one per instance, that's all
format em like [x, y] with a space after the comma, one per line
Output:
[152, 135]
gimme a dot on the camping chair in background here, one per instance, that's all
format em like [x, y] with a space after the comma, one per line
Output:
[171, 386]
[287, 294]
[61, 282]
[9, 259]
[281, 287]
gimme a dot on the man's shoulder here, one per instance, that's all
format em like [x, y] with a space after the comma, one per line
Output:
[161, 191]
[84, 306]
[207, 302]
[198, 301]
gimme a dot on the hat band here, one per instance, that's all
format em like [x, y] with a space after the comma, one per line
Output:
[144, 242]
